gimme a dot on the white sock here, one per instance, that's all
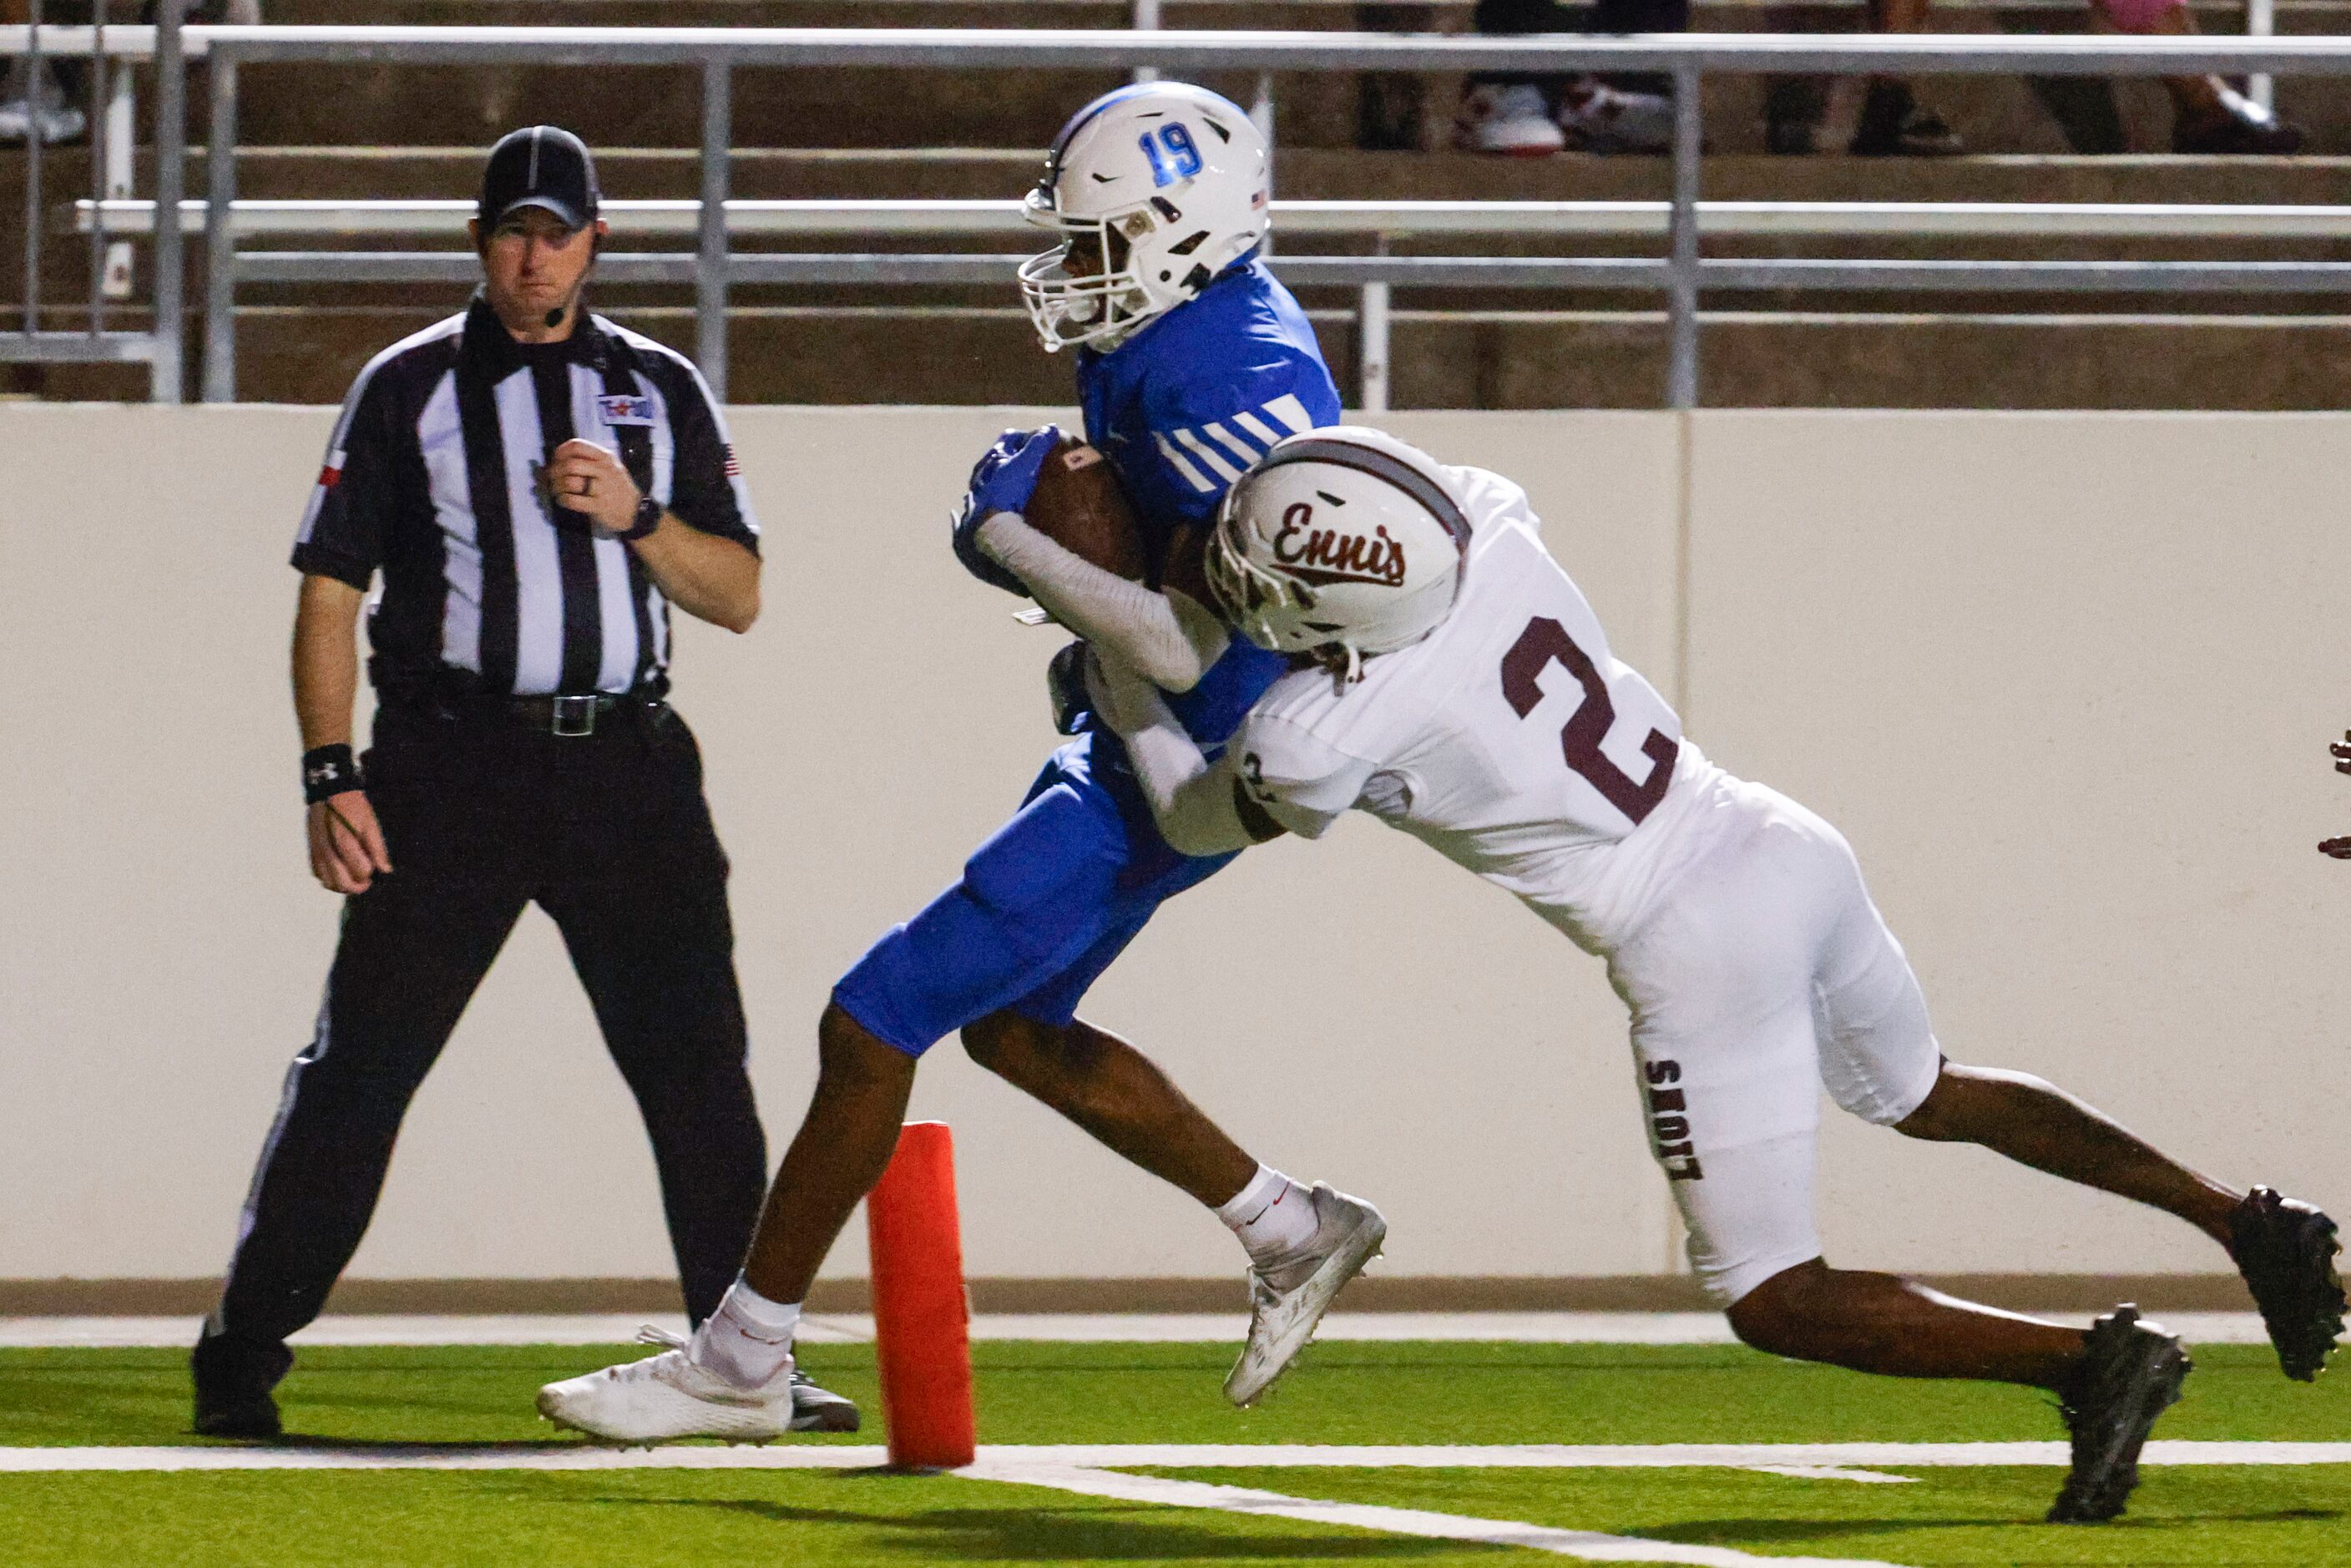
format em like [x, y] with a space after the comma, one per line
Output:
[749, 1338]
[1273, 1215]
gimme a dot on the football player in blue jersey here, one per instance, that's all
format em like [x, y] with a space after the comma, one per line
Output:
[1192, 361]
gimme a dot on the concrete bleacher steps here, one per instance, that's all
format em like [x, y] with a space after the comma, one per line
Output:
[656, 107]
[414, 133]
[1518, 351]
[1563, 359]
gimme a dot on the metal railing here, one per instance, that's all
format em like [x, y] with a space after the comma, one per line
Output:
[112, 51]
[1681, 273]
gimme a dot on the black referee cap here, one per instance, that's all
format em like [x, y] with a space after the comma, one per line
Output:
[538, 166]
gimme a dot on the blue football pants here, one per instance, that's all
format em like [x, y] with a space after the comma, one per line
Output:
[1041, 910]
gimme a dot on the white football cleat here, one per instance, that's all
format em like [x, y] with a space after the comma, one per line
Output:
[1288, 1297]
[1507, 118]
[667, 1396]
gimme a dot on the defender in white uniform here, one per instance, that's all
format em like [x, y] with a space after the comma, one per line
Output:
[1453, 682]
[1516, 745]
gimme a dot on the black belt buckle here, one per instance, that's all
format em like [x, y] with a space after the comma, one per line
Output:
[573, 715]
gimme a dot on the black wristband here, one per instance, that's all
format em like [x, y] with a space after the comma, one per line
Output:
[646, 518]
[328, 772]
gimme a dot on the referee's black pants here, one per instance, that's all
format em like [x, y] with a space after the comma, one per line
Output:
[610, 834]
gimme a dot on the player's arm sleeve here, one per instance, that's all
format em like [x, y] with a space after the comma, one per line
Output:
[706, 489]
[1208, 428]
[1200, 807]
[1164, 637]
[343, 525]
[1272, 779]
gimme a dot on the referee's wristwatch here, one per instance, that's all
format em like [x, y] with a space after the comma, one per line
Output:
[643, 521]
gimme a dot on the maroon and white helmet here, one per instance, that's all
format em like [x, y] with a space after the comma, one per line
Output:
[1342, 542]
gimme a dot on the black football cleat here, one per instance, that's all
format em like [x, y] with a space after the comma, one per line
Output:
[816, 1409]
[2287, 1249]
[254, 1418]
[234, 1379]
[2130, 1372]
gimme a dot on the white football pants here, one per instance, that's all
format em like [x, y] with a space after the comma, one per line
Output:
[1763, 974]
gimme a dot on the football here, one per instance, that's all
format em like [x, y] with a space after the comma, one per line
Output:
[1079, 506]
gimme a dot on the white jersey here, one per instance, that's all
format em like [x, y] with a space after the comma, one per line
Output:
[1510, 739]
[1734, 923]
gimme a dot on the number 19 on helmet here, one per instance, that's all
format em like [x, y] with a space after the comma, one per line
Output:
[1154, 189]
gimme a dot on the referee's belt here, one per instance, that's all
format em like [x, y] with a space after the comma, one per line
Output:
[579, 716]
[458, 694]
[569, 716]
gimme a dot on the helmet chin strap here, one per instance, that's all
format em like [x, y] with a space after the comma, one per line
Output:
[1342, 661]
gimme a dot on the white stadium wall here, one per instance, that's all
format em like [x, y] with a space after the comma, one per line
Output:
[2065, 681]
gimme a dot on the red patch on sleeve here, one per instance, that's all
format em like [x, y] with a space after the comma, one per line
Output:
[734, 469]
[329, 478]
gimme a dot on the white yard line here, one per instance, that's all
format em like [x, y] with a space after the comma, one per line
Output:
[585, 1328]
[1776, 1457]
[1648, 1456]
[429, 1457]
[1833, 1473]
[1589, 1546]
[1084, 1470]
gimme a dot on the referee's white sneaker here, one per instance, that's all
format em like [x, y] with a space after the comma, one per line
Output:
[1289, 1296]
[667, 1396]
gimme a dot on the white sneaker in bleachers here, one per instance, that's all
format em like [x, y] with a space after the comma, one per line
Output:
[1511, 119]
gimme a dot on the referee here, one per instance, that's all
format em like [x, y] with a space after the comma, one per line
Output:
[537, 488]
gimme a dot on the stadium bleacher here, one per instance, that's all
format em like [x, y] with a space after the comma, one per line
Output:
[352, 131]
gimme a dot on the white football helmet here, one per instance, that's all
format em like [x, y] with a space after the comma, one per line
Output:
[1342, 543]
[1155, 188]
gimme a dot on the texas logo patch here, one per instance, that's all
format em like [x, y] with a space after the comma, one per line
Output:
[626, 409]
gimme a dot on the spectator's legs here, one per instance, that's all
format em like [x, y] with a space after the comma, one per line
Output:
[2208, 115]
[1513, 112]
[1624, 111]
[1640, 16]
[54, 102]
[15, 88]
[1893, 123]
[1794, 106]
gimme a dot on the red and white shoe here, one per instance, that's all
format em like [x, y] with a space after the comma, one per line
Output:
[1597, 118]
[1508, 118]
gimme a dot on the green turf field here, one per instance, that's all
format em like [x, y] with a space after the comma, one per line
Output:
[1358, 1394]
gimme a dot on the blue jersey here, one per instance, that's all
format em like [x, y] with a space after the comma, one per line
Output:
[1181, 409]
[1187, 405]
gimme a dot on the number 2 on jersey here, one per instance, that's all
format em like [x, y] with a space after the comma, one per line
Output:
[1173, 154]
[1545, 641]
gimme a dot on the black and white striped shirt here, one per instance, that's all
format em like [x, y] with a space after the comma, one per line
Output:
[432, 478]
